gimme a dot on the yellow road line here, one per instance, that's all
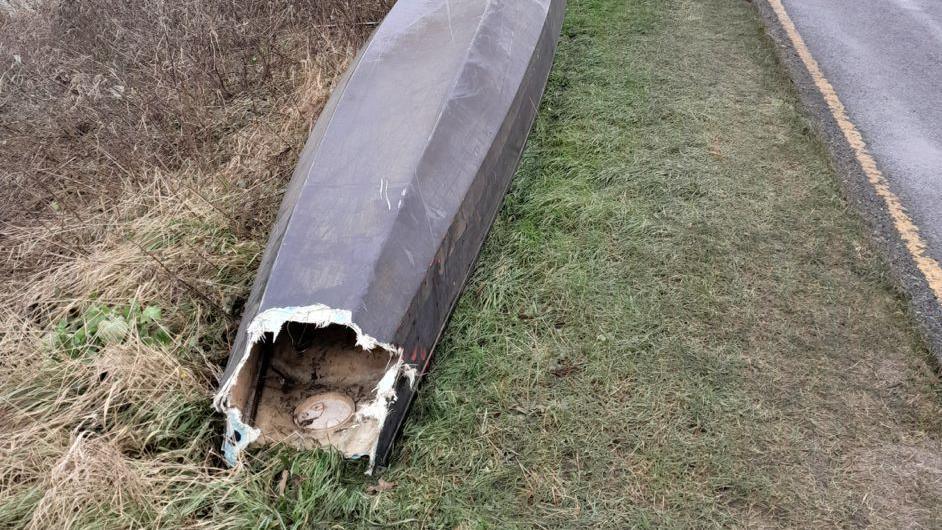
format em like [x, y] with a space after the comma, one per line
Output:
[904, 224]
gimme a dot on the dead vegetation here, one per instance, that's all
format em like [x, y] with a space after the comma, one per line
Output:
[143, 149]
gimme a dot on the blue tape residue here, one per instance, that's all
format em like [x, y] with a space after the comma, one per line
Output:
[238, 436]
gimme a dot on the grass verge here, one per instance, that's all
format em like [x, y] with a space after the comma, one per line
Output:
[676, 322]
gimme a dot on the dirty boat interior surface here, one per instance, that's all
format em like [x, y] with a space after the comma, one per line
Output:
[306, 386]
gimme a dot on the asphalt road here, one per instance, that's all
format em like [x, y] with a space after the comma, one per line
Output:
[884, 59]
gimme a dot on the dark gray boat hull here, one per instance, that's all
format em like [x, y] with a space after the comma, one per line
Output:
[395, 191]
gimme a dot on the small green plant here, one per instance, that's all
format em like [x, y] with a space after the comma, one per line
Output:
[100, 325]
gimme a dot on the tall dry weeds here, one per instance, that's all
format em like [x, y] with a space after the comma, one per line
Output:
[144, 146]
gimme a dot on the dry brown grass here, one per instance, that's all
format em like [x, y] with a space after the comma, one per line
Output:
[143, 149]
[902, 483]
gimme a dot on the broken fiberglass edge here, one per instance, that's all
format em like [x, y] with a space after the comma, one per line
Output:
[396, 188]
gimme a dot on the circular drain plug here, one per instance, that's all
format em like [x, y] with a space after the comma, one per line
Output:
[326, 411]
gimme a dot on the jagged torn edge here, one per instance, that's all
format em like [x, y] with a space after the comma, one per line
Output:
[271, 321]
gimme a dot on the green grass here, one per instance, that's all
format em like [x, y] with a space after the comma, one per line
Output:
[676, 321]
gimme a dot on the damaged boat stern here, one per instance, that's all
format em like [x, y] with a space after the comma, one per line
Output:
[310, 377]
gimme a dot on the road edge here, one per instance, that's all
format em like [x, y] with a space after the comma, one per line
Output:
[859, 191]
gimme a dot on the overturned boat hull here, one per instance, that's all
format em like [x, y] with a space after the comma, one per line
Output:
[394, 193]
